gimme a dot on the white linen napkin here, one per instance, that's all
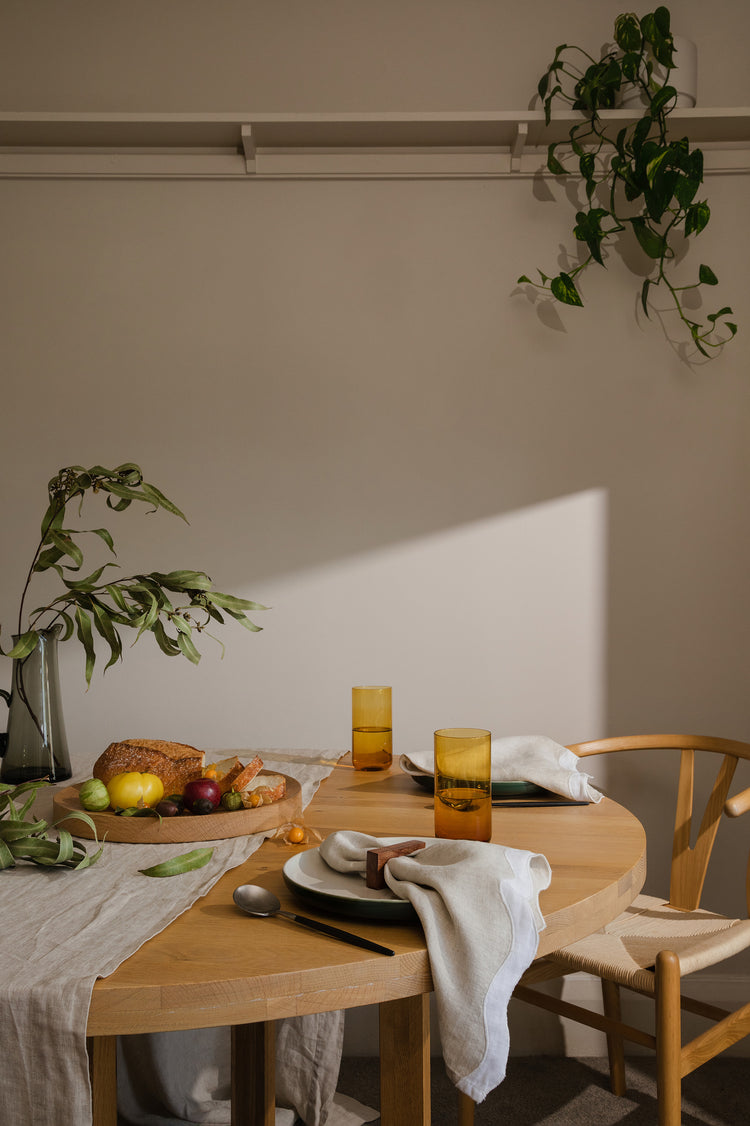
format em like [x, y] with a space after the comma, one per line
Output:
[479, 906]
[528, 758]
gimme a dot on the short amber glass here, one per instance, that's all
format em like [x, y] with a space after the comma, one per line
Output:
[463, 786]
[372, 727]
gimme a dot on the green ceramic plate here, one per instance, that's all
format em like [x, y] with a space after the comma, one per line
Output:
[345, 893]
[499, 789]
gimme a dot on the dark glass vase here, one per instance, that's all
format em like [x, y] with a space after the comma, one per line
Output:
[37, 745]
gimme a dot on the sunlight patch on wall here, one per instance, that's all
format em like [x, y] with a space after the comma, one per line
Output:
[497, 623]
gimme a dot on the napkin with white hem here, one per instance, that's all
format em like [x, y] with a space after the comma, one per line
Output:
[528, 758]
[479, 907]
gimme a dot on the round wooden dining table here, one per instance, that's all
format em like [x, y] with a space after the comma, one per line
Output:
[213, 966]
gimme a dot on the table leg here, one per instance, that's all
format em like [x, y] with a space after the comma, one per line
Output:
[102, 1052]
[254, 1074]
[465, 1110]
[405, 1061]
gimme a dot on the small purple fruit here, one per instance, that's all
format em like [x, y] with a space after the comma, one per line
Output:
[201, 789]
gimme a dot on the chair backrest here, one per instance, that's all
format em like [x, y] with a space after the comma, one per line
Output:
[689, 865]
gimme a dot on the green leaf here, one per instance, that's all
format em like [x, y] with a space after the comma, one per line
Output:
[661, 98]
[697, 217]
[523, 280]
[651, 242]
[182, 580]
[244, 621]
[114, 592]
[564, 290]
[7, 859]
[157, 498]
[66, 546]
[644, 295]
[104, 535]
[630, 64]
[165, 643]
[231, 602]
[685, 188]
[553, 164]
[107, 630]
[187, 648]
[628, 32]
[706, 276]
[12, 829]
[90, 582]
[122, 491]
[186, 862]
[26, 644]
[85, 636]
[588, 229]
[49, 558]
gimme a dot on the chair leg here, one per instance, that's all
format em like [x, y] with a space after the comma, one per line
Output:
[668, 1039]
[615, 1045]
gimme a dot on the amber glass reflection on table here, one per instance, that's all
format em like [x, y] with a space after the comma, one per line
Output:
[372, 727]
[463, 788]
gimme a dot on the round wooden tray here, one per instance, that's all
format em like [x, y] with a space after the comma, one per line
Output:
[173, 830]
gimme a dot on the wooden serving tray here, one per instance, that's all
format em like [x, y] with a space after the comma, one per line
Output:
[174, 830]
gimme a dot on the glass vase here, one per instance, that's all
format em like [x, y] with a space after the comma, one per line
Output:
[37, 745]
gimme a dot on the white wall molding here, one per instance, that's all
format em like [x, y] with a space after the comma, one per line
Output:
[322, 146]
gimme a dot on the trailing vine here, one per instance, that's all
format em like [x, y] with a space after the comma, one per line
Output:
[636, 179]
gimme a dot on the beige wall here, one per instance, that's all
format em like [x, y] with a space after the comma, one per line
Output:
[525, 518]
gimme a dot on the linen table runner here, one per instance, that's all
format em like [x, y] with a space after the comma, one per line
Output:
[60, 930]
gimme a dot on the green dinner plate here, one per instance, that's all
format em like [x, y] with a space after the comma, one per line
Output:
[509, 789]
[345, 893]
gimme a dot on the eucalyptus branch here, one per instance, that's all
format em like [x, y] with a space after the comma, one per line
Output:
[93, 608]
[652, 182]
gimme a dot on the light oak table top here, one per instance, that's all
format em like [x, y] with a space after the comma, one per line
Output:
[214, 966]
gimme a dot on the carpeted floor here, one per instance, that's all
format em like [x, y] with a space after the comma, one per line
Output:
[555, 1091]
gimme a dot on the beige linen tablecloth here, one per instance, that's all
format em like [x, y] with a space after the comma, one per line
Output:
[60, 930]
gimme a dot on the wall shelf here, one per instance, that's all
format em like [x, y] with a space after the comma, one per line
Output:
[321, 146]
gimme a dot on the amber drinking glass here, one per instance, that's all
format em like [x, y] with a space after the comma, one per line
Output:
[372, 727]
[463, 786]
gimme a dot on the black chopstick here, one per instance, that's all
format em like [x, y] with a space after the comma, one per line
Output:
[514, 803]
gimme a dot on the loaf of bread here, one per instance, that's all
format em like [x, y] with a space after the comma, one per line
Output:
[175, 763]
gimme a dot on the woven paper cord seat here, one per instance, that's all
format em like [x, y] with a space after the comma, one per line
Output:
[656, 943]
[625, 951]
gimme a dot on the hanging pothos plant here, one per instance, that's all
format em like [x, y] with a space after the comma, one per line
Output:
[100, 605]
[634, 176]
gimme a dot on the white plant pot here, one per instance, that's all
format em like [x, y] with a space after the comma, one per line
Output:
[683, 76]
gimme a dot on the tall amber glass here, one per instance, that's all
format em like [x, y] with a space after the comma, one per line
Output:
[372, 727]
[463, 786]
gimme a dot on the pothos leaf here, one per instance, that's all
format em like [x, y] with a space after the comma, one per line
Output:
[563, 288]
[707, 276]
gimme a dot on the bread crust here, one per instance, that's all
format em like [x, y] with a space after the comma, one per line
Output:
[175, 764]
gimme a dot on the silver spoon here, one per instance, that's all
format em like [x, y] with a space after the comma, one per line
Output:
[259, 901]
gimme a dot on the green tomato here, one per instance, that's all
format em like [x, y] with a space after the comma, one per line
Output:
[133, 789]
[94, 795]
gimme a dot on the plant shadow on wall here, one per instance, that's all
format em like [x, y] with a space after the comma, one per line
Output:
[640, 187]
[174, 607]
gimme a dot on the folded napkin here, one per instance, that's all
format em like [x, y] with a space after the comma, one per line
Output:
[529, 758]
[479, 906]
